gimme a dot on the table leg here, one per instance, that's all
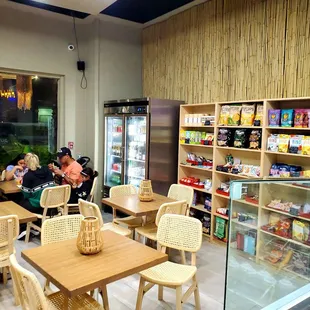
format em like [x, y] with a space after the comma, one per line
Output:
[104, 293]
[144, 220]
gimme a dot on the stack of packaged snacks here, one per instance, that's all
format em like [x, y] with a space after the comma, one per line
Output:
[279, 170]
[298, 118]
[295, 144]
[196, 137]
[244, 115]
[225, 137]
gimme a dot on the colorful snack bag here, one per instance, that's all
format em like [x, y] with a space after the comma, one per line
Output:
[287, 118]
[234, 115]
[299, 118]
[305, 149]
[295, 144]
[223, 121]
[240, 138]
[247, 114]
[283, 143]
[192, 137]
[255, 139]
[274, 118]
[224, 137]
[273, 143]
[298, 230]
[182, 136]
[258, 121]
[305, 122]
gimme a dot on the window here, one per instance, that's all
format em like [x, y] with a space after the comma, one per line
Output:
[28, 116]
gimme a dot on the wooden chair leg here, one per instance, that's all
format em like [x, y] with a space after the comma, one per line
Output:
[160, 292]
[27, 233]
[105, 297]
[16, 297]
[140, 294]
[183, 258]
[196, 294]
[5, 275]
[179, 298]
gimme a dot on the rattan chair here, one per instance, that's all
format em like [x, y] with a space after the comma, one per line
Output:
[9, 230]
[91, 209]
[74, 207]
[32, 297]
[130, 221]
[59, 229]
[149, 231]
[52, 197]
[181, 233]
[182, 192]
[2, 177]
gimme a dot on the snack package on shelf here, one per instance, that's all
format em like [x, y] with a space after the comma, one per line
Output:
[206, 224]
[182, 136]
[299, 262]
[273, 143]
[208, 204]
[209, 138]
[234, 115]
[274, 118]
[224, 114]
[255, 139]
[287, 117]
[240, 138]
[258, 120]
[224, 137]
[283, 143]
[299, 118]
[247, 114]
[219, 228]
[305, 149]
[298, 231]
[295, 145]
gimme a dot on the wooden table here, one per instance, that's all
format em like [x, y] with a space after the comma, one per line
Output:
[11, 208]
[133, 206]
[9, 187]
[74, 273]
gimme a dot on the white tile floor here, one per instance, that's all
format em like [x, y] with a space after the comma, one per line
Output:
[122, 294]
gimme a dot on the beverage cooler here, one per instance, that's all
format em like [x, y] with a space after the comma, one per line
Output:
[141, 142]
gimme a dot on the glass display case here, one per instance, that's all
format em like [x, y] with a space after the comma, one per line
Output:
[268, 252]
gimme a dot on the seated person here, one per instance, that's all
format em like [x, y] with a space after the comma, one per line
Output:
[70, 169]
[16, 168]
[35, 181]
[84, 188]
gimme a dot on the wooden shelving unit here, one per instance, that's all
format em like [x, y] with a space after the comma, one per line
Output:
[262, 157]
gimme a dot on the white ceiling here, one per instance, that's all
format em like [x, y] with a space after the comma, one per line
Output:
[93, 7]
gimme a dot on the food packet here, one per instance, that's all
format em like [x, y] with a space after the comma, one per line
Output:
[255, 139]
[258, 121]
[240, 138]
[224, 137]
[283, 143]
[234, 115]
[273, 143]
[305, 123]
[219, 228]
[299, 118]
[287, 117]
[182, 136]
[247, 114]
[305, 148]
[298, 230]
[274, 118]
[295, 144]
[223, 121]
[209, 139]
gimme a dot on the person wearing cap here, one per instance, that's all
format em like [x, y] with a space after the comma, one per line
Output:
[70, 171]
[84, 188]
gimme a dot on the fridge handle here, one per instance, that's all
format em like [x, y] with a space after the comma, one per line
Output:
[122, 153]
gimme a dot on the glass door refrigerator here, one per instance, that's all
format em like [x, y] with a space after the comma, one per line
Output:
[141, 142]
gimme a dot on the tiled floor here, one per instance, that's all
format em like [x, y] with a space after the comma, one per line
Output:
[123, 293]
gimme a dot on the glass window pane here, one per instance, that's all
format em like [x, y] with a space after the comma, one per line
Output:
[28, 116]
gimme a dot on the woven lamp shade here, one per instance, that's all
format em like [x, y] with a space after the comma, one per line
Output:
[24, 92]
[146, 191]
[90, 239]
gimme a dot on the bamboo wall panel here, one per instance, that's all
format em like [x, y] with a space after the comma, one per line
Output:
[230, 50]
